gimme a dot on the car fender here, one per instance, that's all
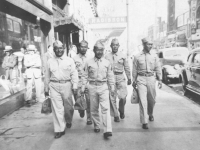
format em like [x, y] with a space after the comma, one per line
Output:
[184, 76]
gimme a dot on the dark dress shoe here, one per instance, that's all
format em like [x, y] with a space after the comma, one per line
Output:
[97, 130]
[122, 116]
[151, 118]
[59, 134]
[107, 134]
[145, 126]
[89, 122]
[82, 114]
[69, 125]
[116, 119]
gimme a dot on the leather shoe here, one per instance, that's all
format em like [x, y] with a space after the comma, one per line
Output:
[82, 114]
[59, 134]
[107, 134]
[116, 119]
[122, 116]
[97, 130]
[69, 125]
[89, 122]
[145, 126]
[151, 118]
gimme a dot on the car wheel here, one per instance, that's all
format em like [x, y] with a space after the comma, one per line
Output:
[165, 79]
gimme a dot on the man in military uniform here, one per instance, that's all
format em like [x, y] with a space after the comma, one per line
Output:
[120, 64]
[98, 73]
[32, 62]
[10, 65]
[61, 78]
[145, 66]
[80, 60]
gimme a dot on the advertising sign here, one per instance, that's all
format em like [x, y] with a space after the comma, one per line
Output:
[108, 20]
[193, 13]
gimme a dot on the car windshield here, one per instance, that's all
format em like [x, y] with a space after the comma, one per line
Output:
[176, 53]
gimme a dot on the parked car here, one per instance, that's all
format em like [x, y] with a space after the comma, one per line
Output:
[172, 61]
[191, 72]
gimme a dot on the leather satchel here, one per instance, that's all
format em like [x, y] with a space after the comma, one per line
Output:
[46, 106]
[135, 96]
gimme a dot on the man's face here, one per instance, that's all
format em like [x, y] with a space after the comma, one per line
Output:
[59, 51]
[83, 49]
[148, 46]
[114, 46]
[98, 52]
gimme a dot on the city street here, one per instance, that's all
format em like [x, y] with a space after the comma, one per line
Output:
[176, 126]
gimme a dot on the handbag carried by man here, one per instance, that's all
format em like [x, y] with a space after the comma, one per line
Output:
[46, 106]
[135, 96]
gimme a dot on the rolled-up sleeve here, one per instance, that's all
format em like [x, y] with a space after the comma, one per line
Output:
[110, 77]
[158, 69]
[134, 69]
[127, 68]
[74, 75]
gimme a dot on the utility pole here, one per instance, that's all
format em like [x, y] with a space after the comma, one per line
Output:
[127, 9]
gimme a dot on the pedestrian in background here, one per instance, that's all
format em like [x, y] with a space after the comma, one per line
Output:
[120, 65]
[145, 66]
[98, 72]
[32, 62]
[80, 60]
[72, 51]
[10, 65]
[61, 79]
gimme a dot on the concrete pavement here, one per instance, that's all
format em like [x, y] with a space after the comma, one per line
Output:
[176, 127]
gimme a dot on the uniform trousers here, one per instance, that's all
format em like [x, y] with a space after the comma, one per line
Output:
[62, 104]
[120, 92]
[99, 95]
[37, 82]
[147, 94]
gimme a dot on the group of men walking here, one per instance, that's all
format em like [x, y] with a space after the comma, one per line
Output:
[100, 80]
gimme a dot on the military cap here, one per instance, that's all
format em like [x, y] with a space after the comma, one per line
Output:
[31, 48]
[99, 44]
[7, 48]
[146, 40]
[57, 43]
[114, 40]
[84, 43]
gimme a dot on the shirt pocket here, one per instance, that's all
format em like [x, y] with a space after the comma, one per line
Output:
[152, 63]
[66, 69]
[119, 65]
[92, 72]
[103, 72]
[53, 68]
[142, 64]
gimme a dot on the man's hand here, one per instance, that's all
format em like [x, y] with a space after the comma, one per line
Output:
[129, 82]
[159, 84]
[46, 94]
[86, 90]
[112, 92]
[75, 91]
[134, 84]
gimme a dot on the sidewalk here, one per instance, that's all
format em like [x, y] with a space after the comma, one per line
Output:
[176, 127]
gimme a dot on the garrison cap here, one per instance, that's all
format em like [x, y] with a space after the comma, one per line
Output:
[84, 43]
[114, 40]
[7, 48]
[57, 43]
[31, 48]
[99, 44]
[146, 40]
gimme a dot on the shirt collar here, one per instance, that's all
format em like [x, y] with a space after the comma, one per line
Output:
[96, 59]
[144, 52]
[115, 53]
[62, 57]
[82, 56]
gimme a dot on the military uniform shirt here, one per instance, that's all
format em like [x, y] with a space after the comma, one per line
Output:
[80, 61]
[119, 63]
[9, 61]
[98, 70]
[146, 63]
[61, 69]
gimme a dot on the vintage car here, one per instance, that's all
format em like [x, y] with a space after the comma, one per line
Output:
[172, 60]
[191, 72]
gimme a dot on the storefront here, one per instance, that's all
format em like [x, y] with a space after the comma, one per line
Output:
[24, 22]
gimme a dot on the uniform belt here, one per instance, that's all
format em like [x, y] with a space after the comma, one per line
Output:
[117, 73]
[61, 81]
[98, 83]
[146, 74]
[33, 67]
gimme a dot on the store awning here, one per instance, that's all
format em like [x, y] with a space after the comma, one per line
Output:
[116, 32]
[67, 21]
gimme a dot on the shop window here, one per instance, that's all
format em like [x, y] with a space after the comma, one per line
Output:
[9, 25]
[16, 26]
